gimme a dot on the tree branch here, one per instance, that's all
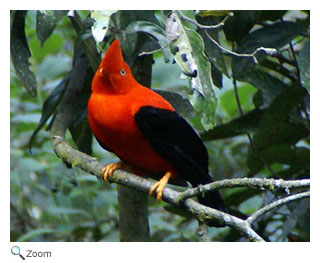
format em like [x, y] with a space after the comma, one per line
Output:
[185, 18]
[268, 51]
[276, 204]
[202, 213]
[94, 167]
[261, 183]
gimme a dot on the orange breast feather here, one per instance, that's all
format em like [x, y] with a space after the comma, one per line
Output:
[112, 122]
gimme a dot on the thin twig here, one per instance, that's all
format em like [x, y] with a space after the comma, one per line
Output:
[235, 88]
[185, 18]
[261, 183]
[152, 51]
[268, 51]
[276, 204]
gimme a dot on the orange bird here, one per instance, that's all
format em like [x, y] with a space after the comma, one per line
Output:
[144, 130]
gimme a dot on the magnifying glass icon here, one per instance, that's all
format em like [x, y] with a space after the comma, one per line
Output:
[15, 250]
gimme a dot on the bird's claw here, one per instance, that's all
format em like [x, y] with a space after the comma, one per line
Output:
[109, 169]
[159, 186]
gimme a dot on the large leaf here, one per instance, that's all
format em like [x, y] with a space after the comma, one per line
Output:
[101, 24]
[119, 22]
[49, 106]
[188, 50]
[229, 104]
[269, 86]
[212, 51]
[85, 37]
[238, 26]
[270, 15]
[180, 104]
[281, 153]
[242, 125]
[270, 36]
[20, 53]
[153, 30]
[80, 90]
[274, 128]
[304, 64]
[47, 21]
[276, 137]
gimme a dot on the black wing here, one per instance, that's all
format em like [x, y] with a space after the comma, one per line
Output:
[176, 142]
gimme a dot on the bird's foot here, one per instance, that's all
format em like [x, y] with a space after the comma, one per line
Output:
[159, 186]
[109, 169]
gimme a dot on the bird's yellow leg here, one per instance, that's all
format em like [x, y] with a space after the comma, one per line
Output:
[159, 186]
[109, 169]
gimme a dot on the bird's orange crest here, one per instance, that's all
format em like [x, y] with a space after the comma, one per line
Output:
[113, 59]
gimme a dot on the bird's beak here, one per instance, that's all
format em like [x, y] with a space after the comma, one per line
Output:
[100, 72]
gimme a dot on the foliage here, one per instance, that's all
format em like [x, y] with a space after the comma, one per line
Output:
[247, 77]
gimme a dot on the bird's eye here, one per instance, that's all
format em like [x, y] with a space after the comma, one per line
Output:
[122, 72]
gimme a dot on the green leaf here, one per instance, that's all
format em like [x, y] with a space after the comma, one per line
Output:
[238, 26]
[212, 51]
[20, 53]
[280, 153]
[274, 127]
[304, 65]
[146, 15]
[276, 135]
[120, 20]
[152, 29]
[229, 103]
[180, 104]
[269, 86]
[47, 21]
[49, 106]
[81, 78]
[247, 123]
[149, 28]
[85, 37]
[189, 54]
[270, 15]
[276, 35]
[101, 24]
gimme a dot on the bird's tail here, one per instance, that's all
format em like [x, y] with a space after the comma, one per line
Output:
[213, 199]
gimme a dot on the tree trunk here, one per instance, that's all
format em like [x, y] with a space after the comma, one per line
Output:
[133, 215]
[133, 205]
